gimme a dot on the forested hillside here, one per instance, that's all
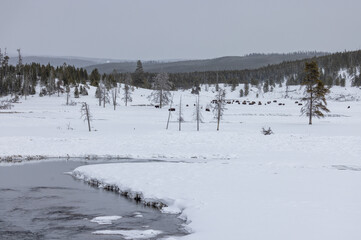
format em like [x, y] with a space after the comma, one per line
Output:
[251, 61]
[23, 78]
[290, 71]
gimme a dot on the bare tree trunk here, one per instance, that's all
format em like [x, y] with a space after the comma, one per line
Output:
[104, 98]
[169, 112]
[126, 94]
[25, 86]
[114, 95]
[198, 113]
[217, 86]
[219, 114]
[160, 99]
[310, 117]
[87, 115]
[180, 114]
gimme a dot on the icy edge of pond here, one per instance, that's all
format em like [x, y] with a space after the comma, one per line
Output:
[131, 234]
[19, 159]
[165, 206]
[15, 159]
[124, 191]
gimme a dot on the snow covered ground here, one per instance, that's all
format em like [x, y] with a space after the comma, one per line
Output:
[46, 126]
[302, 182]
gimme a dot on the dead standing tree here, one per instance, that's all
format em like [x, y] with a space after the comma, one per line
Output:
[169, 111]
[127, 91]
[180, 117]
[220, 106]
[197, 113]
[161, 87]
[85, 114]
[67, 90]
[114, 96]
[105, 93]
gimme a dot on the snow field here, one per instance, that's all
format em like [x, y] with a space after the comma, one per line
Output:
[45, 126]
[300, 183]
[276, 196]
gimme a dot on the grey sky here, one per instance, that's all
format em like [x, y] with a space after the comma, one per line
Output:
[169, 29]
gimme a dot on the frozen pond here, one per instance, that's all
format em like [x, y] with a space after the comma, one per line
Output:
[39, 201]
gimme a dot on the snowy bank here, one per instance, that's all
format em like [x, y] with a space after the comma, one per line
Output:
[279, 196]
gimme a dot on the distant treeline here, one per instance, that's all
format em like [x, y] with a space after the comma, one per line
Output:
[292, 72]
[22, 79]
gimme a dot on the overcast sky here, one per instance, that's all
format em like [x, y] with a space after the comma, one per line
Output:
[183, 29]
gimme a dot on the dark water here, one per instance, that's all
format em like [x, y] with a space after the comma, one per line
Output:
[39, 201]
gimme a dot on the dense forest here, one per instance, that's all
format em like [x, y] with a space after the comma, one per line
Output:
[22, 79]
[291, 71]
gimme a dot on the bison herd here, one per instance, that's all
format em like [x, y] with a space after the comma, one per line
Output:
[245, 102]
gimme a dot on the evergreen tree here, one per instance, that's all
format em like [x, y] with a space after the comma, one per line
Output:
[139, 79]
[94, 77]
[234, 84]
[76, 92]
[314, 94]
[246, 89]
[196, 87]
[254, 82]
[343, 82]
[265, 86]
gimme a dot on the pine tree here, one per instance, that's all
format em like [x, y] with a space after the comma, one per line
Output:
[76, 92]
[139, 79]
[265, 86]
[343, 82]
[234, 84]
[246, 89]
[315, 93]
[94, 77]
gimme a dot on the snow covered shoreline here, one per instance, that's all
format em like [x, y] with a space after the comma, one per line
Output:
[250, 198]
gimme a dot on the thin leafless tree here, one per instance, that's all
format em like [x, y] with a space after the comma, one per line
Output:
[219, 107]
[169, 111]
[197, 113]
[85, 114]
[114, 96]
[127, 97]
